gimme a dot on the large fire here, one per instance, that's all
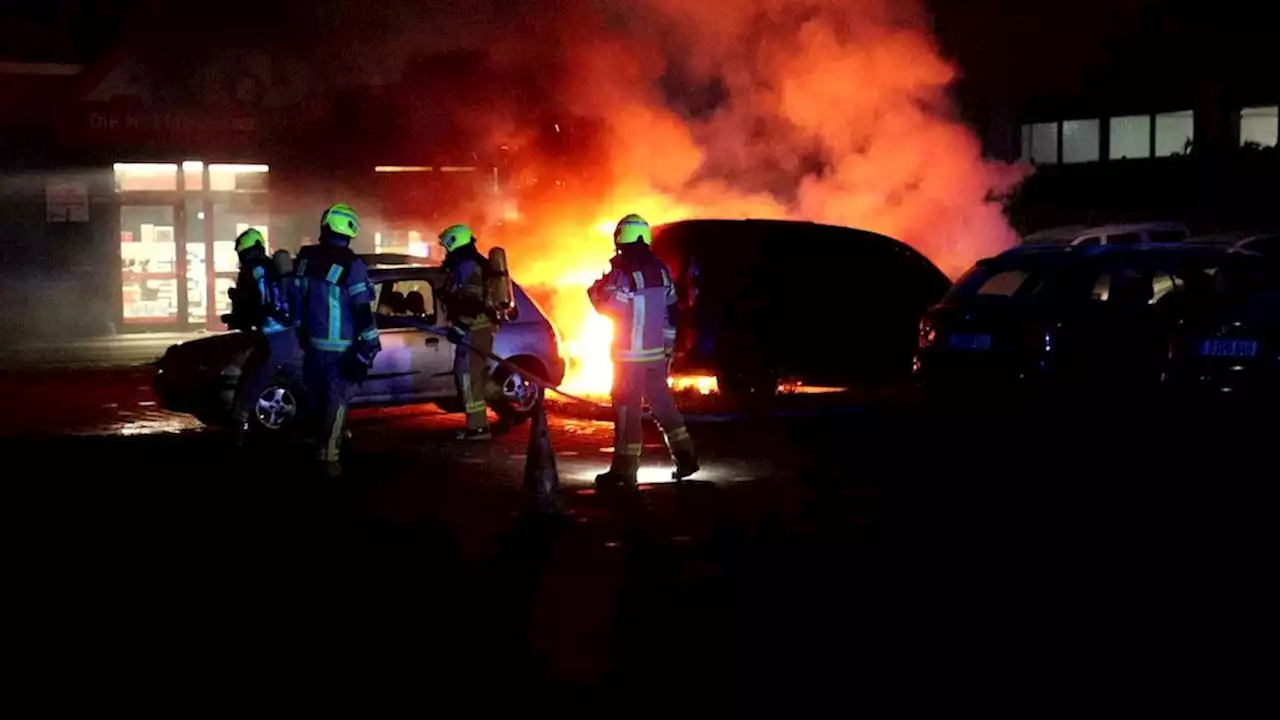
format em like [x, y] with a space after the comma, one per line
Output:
[798, 109]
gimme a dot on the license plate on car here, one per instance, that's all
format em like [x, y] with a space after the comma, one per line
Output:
[1229, 348]
[969, 341]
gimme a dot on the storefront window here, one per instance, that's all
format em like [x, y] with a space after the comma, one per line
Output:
[241, 178]
[193, 175]
[149, 281]
[146, 176]
[403, 242]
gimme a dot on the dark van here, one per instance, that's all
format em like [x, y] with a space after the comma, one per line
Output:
[762, 300]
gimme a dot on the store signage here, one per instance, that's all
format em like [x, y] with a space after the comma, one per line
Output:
[66, 202]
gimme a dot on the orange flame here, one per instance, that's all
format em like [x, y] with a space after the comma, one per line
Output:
[828, 112]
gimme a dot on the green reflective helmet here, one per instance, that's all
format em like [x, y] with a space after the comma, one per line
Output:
[250, 238]
[456, 236]
[341, 219]
[631, 229]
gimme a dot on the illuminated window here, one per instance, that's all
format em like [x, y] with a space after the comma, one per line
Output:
[1130, 137]
[1081, 141]
[243, 178]
[1044, 143]
[1174, 132]
[146, 176]
[193, 175]
[1260, 125]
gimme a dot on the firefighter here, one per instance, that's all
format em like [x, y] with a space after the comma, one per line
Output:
[638, 295]
[471, 323]
[336, 327]
[263, 302]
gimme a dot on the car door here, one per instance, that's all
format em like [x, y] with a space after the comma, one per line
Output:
[410, 356]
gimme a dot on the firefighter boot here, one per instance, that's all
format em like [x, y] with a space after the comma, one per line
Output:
[621, 474]
[685, 458]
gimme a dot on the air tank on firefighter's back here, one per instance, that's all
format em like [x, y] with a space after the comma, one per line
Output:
[501, 293]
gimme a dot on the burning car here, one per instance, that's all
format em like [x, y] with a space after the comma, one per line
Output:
[764, 300]
[200, 377]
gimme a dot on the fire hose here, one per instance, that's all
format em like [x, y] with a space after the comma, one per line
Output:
[502, 362]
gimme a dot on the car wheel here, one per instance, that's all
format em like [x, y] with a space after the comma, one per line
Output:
[278, 406]
[519, 394]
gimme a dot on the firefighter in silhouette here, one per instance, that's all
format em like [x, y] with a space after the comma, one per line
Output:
[262, 301]
[471, 322]
[336, 327]
[638, 296]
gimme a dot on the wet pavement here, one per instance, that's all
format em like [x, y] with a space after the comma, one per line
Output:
[837, 560]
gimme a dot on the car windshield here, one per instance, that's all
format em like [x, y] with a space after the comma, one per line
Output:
[1015, 281]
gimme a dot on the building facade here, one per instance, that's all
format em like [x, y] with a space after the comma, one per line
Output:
[124, 185]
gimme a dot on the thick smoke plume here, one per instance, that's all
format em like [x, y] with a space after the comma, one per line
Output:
[803, 109]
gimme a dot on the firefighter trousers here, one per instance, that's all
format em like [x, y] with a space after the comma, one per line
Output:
[471, 375]
[329, 394]
[634, 383]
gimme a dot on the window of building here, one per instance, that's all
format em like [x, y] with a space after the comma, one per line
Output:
[1044, 143]
[193, 175]
[243, 178]
[1130, 137]
[1081, 141]
[146, 176]
[1174, 132]
[1260, 125]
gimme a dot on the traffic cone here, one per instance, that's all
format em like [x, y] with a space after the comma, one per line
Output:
[541, 479]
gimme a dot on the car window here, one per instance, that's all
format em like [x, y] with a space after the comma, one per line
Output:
[1166, 236]
[1125, 239]
[1004, 284]
[405, 298]
[985, 281]
[1090, 241]
[1149, 287]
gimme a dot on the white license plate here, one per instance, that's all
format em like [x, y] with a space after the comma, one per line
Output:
[969, 341]
[1229, 348]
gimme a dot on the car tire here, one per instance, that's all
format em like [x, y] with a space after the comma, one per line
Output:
[279, 407]
[519, 395]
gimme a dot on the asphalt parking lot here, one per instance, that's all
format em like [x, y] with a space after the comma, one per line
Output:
[825, 554]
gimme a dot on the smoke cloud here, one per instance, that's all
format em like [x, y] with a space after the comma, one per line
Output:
[803, 109]
[799, 109]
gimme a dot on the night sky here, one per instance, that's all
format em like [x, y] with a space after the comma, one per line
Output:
[1011, 52]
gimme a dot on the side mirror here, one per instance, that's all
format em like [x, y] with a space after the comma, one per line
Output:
[430, 318]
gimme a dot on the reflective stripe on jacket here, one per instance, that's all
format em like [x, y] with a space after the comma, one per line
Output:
[638, 295]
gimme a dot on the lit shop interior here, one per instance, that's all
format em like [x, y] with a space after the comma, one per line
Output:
[177, 229]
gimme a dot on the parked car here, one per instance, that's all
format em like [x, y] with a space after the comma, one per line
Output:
[200, 376]
[1122, 234]
[1228, 346]
[1064, 322]
[762, 300]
